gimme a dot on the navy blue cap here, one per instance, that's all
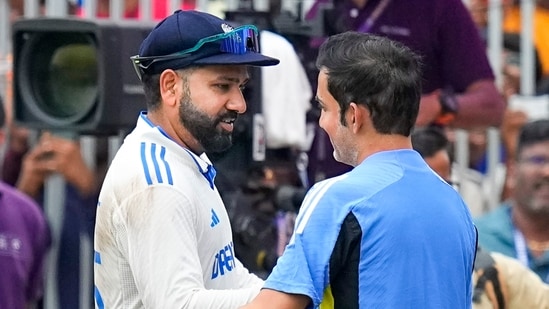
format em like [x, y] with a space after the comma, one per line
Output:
[181, 31]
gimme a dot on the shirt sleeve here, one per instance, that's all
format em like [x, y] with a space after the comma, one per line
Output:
[294, 274]
[304, 266]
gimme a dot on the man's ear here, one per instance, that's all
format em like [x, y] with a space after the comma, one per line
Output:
[168, 86]
[358, 115]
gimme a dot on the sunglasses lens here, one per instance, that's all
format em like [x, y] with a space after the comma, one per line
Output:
[239, 41]
[242, 40]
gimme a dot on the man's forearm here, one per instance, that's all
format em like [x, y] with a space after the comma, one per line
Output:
[481, 105]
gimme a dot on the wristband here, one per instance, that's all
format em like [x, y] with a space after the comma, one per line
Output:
[449, 107]
[449, 103]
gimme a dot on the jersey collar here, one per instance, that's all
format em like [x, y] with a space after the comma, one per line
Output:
[202, 162]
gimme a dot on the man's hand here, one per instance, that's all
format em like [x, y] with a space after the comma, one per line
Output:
[513, 120]
[54, 154]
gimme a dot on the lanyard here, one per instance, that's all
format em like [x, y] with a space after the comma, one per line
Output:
[520, 247]
[371, 20]
[522, 250]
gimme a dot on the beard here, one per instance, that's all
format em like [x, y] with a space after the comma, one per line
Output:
[205, 128]
[540, 197]
[344, 147]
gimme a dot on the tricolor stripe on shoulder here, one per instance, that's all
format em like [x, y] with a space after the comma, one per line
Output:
[311, 200]
[156, 168]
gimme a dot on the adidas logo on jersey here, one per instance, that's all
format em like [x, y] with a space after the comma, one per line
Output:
[215, 219]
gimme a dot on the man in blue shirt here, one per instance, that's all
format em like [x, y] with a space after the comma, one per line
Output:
[390, 233]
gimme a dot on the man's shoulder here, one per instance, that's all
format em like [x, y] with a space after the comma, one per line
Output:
[16, 206]
[151, 159]
[15, 198]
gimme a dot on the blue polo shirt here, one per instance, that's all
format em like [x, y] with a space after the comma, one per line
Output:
[388, 234]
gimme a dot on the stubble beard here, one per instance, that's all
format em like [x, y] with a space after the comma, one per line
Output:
[203, 127]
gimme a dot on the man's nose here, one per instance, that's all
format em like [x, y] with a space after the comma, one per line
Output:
[237, 102]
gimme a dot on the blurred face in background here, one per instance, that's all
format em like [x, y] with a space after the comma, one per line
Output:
[479, 12]
[531, 179]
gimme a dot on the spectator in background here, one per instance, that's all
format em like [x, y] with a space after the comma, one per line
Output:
[513, 120]
[512, 67]
[432, 144]
[24, 242]
[520, 226]
[458, 88]
[473, 184]
[479, 13]
[29, 167]
[453, 53]
[500, 281]
[512, 23]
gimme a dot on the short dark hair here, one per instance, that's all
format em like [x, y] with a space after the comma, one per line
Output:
[532, 133]
[429, 140]
[377, 72]
[151, 86]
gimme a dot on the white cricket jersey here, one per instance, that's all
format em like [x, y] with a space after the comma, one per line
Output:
[162, 235]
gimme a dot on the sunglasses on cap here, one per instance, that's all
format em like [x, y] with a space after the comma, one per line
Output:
[237, 41]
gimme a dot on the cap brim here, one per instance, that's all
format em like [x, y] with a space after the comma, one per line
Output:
[250, 58]
[253, 59]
